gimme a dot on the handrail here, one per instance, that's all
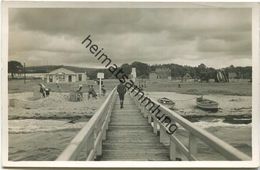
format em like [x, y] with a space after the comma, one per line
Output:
[226, 150]
[91, 135]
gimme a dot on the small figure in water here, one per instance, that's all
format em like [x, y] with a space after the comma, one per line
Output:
[121, 92]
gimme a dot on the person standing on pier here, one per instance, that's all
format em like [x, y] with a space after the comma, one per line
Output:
[121, 92]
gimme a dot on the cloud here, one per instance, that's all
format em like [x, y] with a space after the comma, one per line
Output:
[223, 45]
[152, 35]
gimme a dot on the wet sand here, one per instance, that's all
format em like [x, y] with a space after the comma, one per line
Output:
[185, 104]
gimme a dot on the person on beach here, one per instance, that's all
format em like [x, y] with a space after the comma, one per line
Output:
[103, 90]
[79, 93]
[80, 88]
[121, 92]
[58, 85]
[91, 91]
[44, 91]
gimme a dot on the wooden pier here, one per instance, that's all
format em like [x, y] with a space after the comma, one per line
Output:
[135, 134]
[130, 137]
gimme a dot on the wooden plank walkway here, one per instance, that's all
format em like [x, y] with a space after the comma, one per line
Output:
[130, 137]
[115, 134]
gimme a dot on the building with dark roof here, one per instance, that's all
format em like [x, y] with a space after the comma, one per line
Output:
[66, 74]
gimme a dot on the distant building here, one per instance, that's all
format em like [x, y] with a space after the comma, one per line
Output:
[153, 76]
[160, 73]
[232, 75]
[163, 73]
[66, 75]
[187, 77]
[133, 74]
[36, 75]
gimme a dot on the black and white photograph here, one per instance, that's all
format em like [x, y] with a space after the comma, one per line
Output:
[130, 83]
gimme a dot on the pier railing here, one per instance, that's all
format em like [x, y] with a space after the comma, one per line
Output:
[90, 137]
[195, 134]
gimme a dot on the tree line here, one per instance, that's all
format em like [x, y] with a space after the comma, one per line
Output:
[143, 70]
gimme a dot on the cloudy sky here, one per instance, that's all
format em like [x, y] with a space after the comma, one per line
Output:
[215, 37]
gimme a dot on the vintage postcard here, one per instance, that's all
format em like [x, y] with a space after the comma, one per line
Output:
[130, 84]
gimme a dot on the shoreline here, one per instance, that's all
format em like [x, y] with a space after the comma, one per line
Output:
[58, 107]
[49, 123]
[87, 117]
[82, 118]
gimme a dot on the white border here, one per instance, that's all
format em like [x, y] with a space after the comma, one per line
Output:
[151, 164]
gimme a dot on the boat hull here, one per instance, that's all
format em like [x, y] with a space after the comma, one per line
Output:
[208, 108]
[208, 105]
[166, 102]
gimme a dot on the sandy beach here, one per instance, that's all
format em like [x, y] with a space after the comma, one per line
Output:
[56, 106]
[185, 104]
[49, 118]
[34, 120]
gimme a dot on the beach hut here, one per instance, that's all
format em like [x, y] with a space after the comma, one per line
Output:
[66, 75]
[187, 77]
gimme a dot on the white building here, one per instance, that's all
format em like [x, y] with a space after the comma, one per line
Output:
[133, 73]
[66, 75]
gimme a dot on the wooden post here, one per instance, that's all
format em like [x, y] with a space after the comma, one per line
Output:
[100, 76]
[173, 153]
[24, 74]
[149, 118]
[104, 135]
[193, 144]
[164, 137]
[90, 143]
[140, 107]
[107, 123]
[145, 113]
[99, 148]
[155, 126]
[100, 87]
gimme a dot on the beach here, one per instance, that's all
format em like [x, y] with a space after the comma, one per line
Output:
[55, 119]
[236, 134]
[56, 106]
[185, 104]
[33, 121]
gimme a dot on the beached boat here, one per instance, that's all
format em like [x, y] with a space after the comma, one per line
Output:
[166, 102]
[238, 120]
[207, 104]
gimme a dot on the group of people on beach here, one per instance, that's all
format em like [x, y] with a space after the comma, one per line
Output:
[91, 91]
